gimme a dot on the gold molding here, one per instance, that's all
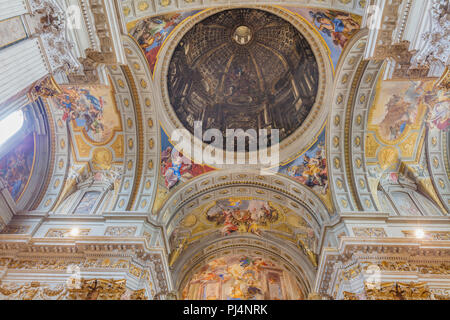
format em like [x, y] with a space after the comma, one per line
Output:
[140, 136]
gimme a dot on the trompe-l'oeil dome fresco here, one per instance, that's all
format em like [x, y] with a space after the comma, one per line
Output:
[243, 69]
[118, 177]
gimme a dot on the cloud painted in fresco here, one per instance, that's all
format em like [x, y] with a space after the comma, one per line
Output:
[335, 27]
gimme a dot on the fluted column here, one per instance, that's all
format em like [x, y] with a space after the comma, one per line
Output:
[20, 66]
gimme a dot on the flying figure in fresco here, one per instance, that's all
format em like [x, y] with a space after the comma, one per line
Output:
[150, 34]
[338, 26]
[82, 107]
[235, 215]
[311, 168]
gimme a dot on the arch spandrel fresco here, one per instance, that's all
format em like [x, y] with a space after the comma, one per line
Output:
[335, 27]
[95, 121]
[310, 168]
[91, 110]
[150, 33]
[175, 169]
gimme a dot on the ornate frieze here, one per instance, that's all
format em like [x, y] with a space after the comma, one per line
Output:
[119, 231]
[104, 289]
[131, 259]
[62, 233]
[369, 232]
[15, 229]
[442, 268]
[86, 289]
[394, 291]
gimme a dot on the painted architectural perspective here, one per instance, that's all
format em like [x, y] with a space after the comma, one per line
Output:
[242, 278]
[216, 150]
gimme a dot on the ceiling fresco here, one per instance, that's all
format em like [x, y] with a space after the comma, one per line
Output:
[335, 27]
[16, 166]
[150, 33]
[243, 215]
[243, 69]
[400, 114]
[242, 277]
[175, 170]
[91, 110]
[310, 168]
[237, 215]
[95, 121]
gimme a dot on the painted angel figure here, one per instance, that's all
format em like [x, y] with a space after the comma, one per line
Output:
[440, 116]
[338, 26]
[335, 22]
[172, 166]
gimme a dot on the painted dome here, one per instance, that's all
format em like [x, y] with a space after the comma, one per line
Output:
[243, 69]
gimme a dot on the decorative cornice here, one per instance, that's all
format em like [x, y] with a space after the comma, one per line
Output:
[356, 250]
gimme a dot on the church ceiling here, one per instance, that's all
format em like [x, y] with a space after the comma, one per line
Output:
[175, 169]
[362, 162]
[98, 128]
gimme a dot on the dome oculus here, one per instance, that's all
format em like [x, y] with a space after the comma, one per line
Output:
[242, 35]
